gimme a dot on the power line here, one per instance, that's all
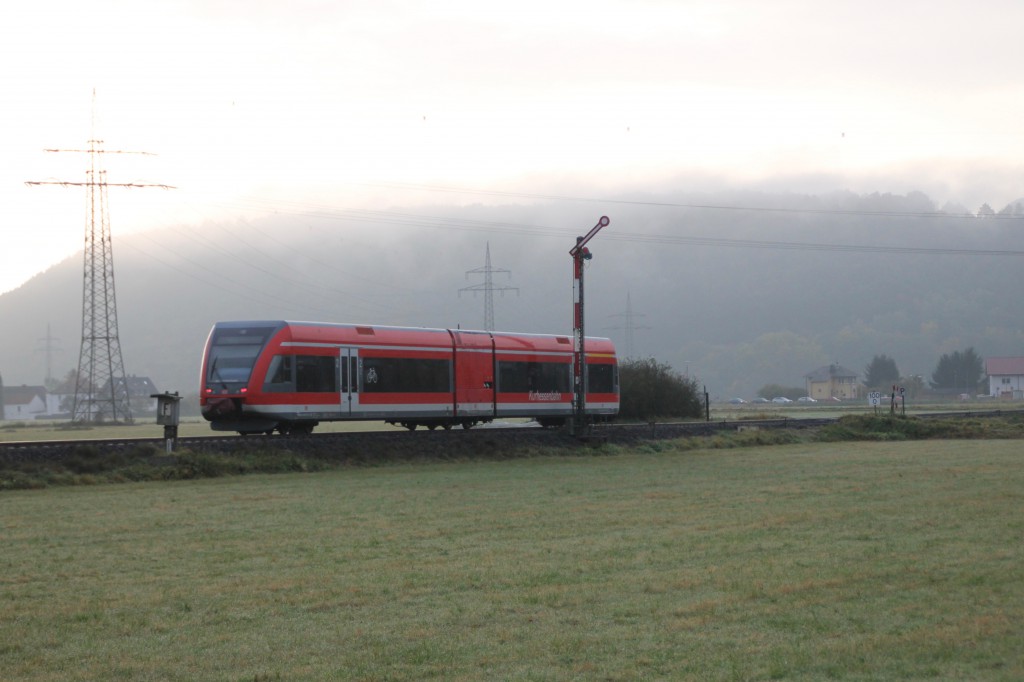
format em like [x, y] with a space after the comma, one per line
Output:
[476, 225]
[672, 204]
[426, 221]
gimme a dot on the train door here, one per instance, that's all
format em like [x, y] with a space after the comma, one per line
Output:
[474, 375]
[348, 370]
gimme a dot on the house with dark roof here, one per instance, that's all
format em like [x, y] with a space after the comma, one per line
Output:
[137, 387]
[23, 402]
[140, 391]
[1005, 377]
[832, 381]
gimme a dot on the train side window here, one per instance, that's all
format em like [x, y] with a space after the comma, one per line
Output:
[280, 375]
[316, 373]
[601, 378]
[406, 375]
[524, 377]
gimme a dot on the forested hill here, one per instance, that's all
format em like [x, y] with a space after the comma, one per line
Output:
[738, 289]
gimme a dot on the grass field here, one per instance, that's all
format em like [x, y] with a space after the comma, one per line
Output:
[849, 561]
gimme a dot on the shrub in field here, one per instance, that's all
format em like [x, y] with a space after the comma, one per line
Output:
[888, 427]
[650, 389]
[89, 459]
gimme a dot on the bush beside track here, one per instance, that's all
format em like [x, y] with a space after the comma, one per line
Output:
[44, 465]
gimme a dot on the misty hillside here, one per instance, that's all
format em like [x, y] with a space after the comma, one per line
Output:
[740, 289]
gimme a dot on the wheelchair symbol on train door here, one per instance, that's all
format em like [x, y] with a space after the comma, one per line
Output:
[371, 376]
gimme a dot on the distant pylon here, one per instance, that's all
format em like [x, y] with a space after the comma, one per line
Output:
[101, 390]
[49, 348]
[488, 287]
[629, 324]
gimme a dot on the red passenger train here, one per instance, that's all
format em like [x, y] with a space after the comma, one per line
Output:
[260, 377]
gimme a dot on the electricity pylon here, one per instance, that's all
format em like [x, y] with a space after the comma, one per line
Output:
[488, 287]
[49, 348]
[101, 389]
[630, 325]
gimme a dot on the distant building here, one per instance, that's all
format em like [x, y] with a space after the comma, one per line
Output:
[138, 387]
[139, 391]
[23, 402]
[1005, 377]
[35, 402]
[832, 381]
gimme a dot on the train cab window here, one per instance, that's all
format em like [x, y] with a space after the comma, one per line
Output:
[280, 375]
[316, 373]
[233, 353]
[601, 378]
[526, 377]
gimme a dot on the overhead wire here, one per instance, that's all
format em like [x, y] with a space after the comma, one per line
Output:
[443, 222]
[672, 204]
[325, 293]
[427, 221]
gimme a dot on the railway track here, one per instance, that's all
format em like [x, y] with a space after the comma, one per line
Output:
[428, 442]
[365, 445]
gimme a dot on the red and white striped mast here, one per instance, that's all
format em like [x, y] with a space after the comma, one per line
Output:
[579, 254]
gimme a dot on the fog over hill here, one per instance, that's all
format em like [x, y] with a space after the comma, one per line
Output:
[741, 289]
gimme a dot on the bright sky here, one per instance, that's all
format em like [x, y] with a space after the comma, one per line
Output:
[250, 104]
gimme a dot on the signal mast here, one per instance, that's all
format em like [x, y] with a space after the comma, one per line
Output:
[580, 253]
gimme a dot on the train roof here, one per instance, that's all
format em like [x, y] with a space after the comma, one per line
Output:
[367, 330]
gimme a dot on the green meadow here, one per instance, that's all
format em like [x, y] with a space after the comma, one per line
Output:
[808, 561]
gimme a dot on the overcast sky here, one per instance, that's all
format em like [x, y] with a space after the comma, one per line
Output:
[252, 106]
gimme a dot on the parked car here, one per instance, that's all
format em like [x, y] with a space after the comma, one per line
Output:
[781, 399]
[806, 399]
[761, 400]
[736, 401]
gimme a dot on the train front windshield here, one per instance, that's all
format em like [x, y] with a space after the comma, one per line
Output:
[233, 353]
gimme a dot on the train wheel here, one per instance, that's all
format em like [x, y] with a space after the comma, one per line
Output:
[467, 425]
[447, 426]
[431, 426]
[409, 425]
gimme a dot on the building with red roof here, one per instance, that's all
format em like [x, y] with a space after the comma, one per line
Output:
[1005, 377]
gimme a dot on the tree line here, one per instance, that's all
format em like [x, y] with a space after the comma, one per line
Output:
[963, 370]
[956, 372]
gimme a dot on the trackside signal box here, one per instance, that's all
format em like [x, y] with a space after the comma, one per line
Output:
[168, 408]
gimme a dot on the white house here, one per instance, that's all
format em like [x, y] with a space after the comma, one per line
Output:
[1005, 377]
[23, 402]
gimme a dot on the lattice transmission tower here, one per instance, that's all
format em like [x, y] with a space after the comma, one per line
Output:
[49, 347]
[101, 391]
[629, 324]
[488, 287]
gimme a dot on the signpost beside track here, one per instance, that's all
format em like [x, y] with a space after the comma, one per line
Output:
[168, 410]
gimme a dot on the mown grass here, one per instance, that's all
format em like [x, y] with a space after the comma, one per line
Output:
[850, 561]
